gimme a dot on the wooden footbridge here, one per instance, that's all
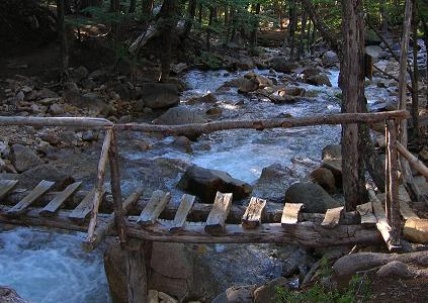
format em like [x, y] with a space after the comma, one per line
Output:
[102, 214]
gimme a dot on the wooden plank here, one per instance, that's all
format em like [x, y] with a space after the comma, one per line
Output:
[382, 223]
[81, 212]
[216, 220]
[404, 200]
[61, 197]
[6, 186]
[186, 204]
[365, 210]
[290, 213]
[157, 203]
[39, 190]
[332, 217]
[252, 217]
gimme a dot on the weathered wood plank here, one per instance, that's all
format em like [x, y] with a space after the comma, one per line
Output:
[365, 210]
[186, 204]
[39, 190]
[382, 222]
[103, 229]
[59, 200]
[6, 186]
[404, 200]
[332, 217]
[81, 212]
[157, 203]
[216, 220]
[290, 213]
[252, 217]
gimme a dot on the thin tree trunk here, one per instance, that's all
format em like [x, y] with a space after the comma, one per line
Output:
[146, 10]
[167, 23]
[132, 6]
[190, 18]
[64, 43]
[415, 76]
[352, 84]
[114, 5]
[302, 36]
[253, 35]
[210, 23]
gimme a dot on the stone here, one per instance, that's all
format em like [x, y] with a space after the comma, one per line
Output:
[180, 115]
[325, 178]
[281, 64]
[49, 172]
[125, 119]
[46, 93]
[266, 293]
[395, 269]
[236, 294]
[79, 74]
[332, 152]
[248, 86]
[153, 296]
[159, 95]
[272, 182]
[374, 51]
[51, 138]
[245, 63]
[23, 158]
[319, 80]
[314, 198]
[205, 183]
[330, 59]
[416, 230]
[335, 166]
[208, 98]
[56, 109]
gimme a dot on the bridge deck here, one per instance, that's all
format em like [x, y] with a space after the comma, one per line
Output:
[159, 220]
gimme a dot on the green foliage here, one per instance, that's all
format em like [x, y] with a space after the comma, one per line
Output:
[356, 292]
[211, 60]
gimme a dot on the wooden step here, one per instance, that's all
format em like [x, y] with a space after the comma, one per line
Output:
[332, 217]
[6, 186]
[38, 191]
[368, 218]
[59, 200]
[216, 220]
[183, 210]
[404, 200]
[290, 213]
[81, 212]
[252, 217]
[154, 208]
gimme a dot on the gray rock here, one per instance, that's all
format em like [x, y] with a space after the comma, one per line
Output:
[32, 177]
[325, 178]
[319, 80]
[23, 158]
[46, 93]
[374, 50]
[330, 59]
[267, 292]
[314, 197]
[180, 115]
[205, 183]
[56, 109]
[159, 95]
[332, 152]
[395, 269]
[79, 74]
[236, 294]
[280, 64]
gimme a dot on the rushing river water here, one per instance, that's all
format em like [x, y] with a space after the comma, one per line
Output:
[50, 267]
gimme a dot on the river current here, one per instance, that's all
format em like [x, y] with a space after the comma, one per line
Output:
[47, 267]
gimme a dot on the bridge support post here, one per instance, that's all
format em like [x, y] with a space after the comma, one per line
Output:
[138, 257]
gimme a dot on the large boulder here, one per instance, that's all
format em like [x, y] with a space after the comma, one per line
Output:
[332, 160]
[267, 293]
[181, 115]
[33, 176]
[281, 64]
[23, 158]
[159, 95]
[205, 183]
[330, 59]
[319, 80]
[272, 182]
[325, 178]
[174, 269]
[236, 294]
[314, 197]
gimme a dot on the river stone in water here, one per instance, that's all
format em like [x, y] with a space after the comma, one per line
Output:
[181, 115]
[236, 294]
[280, 64]
[23, 158]
[314, 197]
[325, 178]
[266, 293]
[205, 183]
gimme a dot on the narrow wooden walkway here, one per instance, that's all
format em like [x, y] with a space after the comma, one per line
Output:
[198, 223]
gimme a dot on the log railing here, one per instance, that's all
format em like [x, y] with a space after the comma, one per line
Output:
[390, 227]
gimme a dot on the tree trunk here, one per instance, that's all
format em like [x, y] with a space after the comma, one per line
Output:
[352, 84]
[302, 36]
[114, 5]
[292, 15]
[191, 11]
[255, 25]
[63, 37]
[210, 23]
[132, 6]
[415, 77]
[167, 23]
[146, 10]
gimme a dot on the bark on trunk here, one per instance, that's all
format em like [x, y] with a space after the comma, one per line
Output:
[352, 84]
[166, 24]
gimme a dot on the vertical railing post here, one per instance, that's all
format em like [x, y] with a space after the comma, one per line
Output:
[116, 190]
[99, 185]
[392, 206]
